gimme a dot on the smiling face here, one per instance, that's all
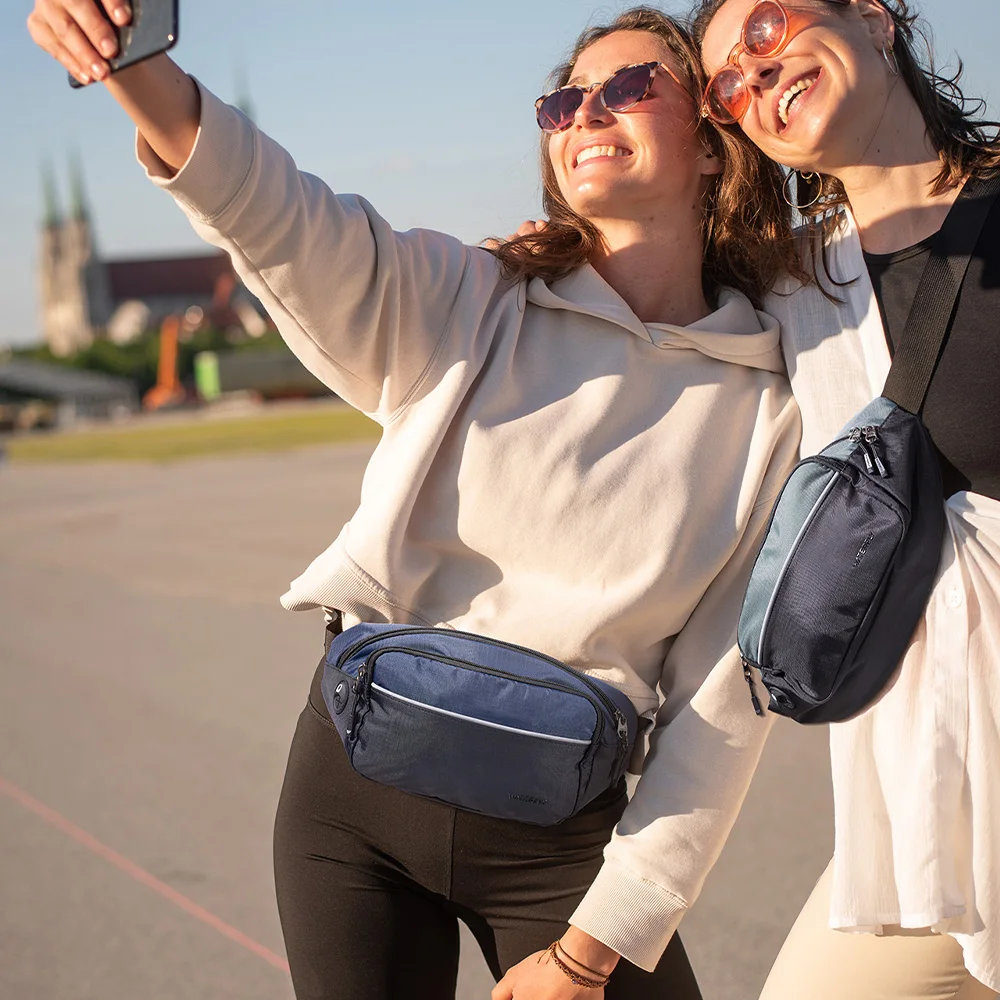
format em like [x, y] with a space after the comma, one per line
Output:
[818, 103]
[637, 163]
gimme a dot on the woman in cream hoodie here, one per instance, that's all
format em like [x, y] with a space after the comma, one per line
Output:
[583, 434]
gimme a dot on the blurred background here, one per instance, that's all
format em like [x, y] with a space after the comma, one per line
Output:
[425, 109]
[166, 467]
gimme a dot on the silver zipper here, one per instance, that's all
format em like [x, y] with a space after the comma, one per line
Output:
[871, 436]
[867, 440]
[478, 722]
[748, 677]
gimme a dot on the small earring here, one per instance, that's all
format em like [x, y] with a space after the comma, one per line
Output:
[890, 59]
[806, 178]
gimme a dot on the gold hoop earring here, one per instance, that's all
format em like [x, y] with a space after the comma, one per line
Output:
[890, 59]
[807, 178]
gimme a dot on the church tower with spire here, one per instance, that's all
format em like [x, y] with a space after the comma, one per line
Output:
[74, 284]
[50, 265]
[86, 296]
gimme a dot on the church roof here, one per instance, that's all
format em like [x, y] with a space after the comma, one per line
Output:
[148, 278]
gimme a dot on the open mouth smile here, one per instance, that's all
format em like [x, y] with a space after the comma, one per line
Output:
[594, 152]
[790, 97]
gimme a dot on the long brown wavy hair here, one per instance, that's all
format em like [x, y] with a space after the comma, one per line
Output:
[747, 227]
[969, 146]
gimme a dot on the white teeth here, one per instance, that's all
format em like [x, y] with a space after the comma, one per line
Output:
[592, 151]
[789, 95]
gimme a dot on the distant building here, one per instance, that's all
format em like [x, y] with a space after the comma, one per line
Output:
[85, 296]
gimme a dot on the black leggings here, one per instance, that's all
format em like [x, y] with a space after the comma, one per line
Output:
[371, 882]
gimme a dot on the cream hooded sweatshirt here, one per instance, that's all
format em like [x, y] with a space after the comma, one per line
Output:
[552, 472]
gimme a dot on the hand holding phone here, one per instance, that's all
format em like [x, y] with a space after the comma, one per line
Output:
[151, 29]
[93, 38]
[160, 98]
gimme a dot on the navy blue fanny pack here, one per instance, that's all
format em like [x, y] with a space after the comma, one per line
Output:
[483, 725]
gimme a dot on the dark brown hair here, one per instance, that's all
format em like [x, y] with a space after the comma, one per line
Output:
[747, 227]
[962, 139]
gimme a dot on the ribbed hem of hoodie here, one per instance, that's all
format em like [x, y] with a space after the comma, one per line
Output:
[219, 163]
[346, 587]
[339, 589]
[630, 914]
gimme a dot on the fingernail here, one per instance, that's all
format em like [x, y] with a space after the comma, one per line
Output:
[83, 78]
[120, 15]
[99, 70]
[108, 47]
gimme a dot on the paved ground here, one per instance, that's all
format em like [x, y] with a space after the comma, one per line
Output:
[149, 685]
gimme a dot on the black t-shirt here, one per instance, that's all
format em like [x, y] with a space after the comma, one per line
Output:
[962, 411]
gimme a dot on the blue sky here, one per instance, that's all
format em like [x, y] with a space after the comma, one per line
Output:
[426, 109]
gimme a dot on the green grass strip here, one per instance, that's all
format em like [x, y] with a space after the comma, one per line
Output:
[164, 442]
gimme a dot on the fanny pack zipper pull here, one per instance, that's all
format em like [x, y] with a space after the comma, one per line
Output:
[856, 437]
[871, 436]
[866, 449]
[622, 727]
[622, 754]
[754, 700]
[359, 679]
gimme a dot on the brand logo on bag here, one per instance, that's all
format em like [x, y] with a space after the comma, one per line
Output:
[340, 696]
[863, 551]
[530, 799]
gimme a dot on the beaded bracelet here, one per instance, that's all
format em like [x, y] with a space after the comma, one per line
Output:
[572, 975]
[577, 962]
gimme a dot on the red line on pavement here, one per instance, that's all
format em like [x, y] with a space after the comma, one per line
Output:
[139, 874]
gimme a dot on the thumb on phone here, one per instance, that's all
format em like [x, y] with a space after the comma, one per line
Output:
[79, 34]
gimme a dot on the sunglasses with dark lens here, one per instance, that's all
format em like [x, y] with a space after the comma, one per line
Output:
[622, 90]
[767, 29]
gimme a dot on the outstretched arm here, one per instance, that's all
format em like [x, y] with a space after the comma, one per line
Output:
[372, 313]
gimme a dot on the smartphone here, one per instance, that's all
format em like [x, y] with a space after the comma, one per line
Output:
[153, 29]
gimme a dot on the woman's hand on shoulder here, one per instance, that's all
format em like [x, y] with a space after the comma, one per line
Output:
[78, 35]
[528, 228]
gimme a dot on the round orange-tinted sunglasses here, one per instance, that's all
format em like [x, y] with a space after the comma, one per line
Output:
[768, 28]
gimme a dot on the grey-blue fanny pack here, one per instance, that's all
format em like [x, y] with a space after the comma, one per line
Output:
[852, 549]
[481, 724]
[846, 568]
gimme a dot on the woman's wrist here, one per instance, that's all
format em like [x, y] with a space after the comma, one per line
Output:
[588, 955]
[165, 105]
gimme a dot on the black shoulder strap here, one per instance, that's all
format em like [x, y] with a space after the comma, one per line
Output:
[933, 305]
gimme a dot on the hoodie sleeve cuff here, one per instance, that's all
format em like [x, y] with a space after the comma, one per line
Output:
[630, 914]
[219, 164]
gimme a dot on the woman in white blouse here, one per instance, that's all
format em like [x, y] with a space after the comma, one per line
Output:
[882, 146]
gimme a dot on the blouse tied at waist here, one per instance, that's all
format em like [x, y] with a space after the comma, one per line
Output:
[917, 778]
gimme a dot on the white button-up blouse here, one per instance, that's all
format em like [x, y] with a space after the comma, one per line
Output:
[916, 778]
